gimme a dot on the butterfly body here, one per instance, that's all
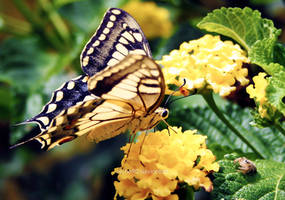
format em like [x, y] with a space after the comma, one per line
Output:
[122, 89]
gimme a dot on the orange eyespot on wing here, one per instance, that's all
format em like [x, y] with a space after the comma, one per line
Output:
[65, 139]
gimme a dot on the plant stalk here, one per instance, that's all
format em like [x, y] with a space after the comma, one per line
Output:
[208, 96]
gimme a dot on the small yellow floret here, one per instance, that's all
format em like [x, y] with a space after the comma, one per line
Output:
[258, 92]
[153, 20]
[206, 62]
[155, 167]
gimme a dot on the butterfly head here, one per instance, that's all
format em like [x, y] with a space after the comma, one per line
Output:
[162, 112]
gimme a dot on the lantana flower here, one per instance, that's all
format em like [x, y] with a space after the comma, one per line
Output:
[154, 165]
[258, 92]
[151, 18]
[208, 63]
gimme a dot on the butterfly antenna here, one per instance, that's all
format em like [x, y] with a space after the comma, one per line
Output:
[21, 143]
[184, 83]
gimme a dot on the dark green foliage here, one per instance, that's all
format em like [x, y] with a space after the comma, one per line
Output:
[267, 183]
[268, 141]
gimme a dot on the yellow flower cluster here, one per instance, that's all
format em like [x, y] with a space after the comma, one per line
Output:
[153, 20]
[258, 92]
[207, 62]
[154, 168]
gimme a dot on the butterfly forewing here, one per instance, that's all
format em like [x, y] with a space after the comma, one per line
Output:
[117, 36]
[137, 80]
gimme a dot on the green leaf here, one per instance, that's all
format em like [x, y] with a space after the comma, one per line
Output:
[275, 91]
[272, 118]
[261, 53]
[191, 115]
[243, 25]
[266, 184]
[279, 54]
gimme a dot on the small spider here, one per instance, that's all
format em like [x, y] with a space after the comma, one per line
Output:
[246, 166]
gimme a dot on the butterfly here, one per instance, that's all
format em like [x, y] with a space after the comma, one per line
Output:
[121, 90]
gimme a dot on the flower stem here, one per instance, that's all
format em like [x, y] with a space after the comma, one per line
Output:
[208, 96]
[190, 193]
[185, 192]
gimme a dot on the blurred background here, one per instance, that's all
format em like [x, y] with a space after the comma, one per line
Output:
[40, 45]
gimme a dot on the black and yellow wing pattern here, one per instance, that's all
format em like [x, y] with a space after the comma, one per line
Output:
[133, 91]
[118, 36]
[117, 93]
[69, 94]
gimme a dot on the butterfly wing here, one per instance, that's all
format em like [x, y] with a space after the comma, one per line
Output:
[99, 119]
[135, 85]
[69, 94]
[117, 36]
[122, 36]
[137, 79]
[129, 93]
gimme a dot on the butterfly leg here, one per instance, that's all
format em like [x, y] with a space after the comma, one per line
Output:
[131, 141]
[168, 127]
[143, 142]
[142, 146]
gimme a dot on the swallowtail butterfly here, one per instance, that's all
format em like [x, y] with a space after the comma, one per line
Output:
[122, 88]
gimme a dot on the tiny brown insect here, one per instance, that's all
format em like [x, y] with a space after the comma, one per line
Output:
[246, 166]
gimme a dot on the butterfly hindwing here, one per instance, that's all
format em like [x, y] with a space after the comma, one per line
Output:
[136, 79]
[70, 93]
[99, 119]
[117, 36]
